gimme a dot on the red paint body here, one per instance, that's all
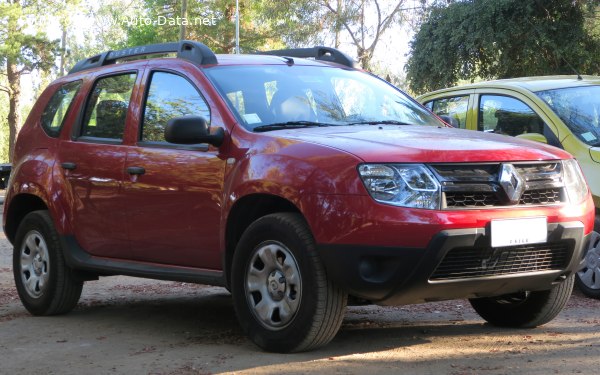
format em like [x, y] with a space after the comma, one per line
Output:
[177, 212]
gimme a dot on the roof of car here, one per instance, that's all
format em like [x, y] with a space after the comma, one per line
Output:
[532, 84]
[201, 54]
[244, 59]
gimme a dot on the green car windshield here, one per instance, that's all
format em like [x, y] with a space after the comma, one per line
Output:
[269, 97]
[579, 109]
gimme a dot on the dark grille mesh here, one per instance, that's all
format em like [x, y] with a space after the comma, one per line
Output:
[541, 196]
[471, 262]
[460, 199]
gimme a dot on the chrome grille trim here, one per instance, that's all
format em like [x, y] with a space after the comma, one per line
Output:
[473, 186]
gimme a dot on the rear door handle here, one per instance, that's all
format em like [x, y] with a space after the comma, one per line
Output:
[68, 165]
[136, 170]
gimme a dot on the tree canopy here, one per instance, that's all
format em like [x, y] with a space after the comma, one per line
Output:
[21, 52]
[489, 39]
[263, 23]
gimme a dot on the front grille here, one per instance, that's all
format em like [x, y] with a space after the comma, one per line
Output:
[541, 196]
[478, 185]
[472, 262]
[458, 199]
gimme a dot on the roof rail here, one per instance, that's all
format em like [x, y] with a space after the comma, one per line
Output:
[318, 53]
[186, 49]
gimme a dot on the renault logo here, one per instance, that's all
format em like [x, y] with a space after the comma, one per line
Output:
[511, 182]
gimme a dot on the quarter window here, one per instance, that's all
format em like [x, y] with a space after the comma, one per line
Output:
[506, 115]
[58, 107]
[106, 110]
[170, 96]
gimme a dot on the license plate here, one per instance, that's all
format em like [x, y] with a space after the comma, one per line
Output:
[513, 232]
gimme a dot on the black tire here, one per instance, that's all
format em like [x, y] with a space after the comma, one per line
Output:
[46, 285]
[587, 278]
[276, 263]
[525, 309]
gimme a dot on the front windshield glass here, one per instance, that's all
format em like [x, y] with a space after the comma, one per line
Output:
[265, 95]
[579, 109]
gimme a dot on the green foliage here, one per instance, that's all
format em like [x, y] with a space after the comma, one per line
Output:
[363, 21]
[23, 49]
[29, 50]
[107, 31]
[263, 24]
[490, 39]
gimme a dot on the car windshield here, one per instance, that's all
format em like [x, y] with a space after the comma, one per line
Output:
[579, 109]
[269, 97]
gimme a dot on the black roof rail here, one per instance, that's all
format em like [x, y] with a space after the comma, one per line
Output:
[186, 49]
[318, 53]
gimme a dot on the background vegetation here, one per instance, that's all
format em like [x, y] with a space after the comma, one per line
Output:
[482, 39]
[455, 40]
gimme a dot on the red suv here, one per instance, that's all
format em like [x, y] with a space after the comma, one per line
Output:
[293, 182]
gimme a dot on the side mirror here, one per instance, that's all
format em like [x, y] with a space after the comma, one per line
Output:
[533, 137]
[191, 130]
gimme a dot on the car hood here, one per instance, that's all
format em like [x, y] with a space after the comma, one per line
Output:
[408, 143]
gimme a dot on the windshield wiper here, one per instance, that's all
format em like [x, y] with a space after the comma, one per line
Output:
[380, 122]
[290, 124]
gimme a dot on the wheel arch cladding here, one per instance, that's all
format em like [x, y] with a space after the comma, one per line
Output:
[243, 213]
[19, 207]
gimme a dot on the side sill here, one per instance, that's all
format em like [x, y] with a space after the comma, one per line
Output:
[78, 259]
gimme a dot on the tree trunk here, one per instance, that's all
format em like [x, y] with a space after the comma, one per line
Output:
[14, 104]
[230, 16]
[338, 23]
[364, 57]
[63, 50]
[182, 32]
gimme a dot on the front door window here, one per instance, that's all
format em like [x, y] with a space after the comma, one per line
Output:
[506, 115]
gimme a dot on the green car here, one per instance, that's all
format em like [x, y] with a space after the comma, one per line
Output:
[563, 111]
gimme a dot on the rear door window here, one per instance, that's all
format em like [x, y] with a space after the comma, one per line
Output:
[107, 106]
[455, 108]
[58, 106]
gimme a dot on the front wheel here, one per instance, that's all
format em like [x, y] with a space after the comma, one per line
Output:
[281, 293]
[46, 285]
[524, 309]
[588, 276]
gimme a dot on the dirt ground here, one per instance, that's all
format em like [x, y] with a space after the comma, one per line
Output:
[133, 326]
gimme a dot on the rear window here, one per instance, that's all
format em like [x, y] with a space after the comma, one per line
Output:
[58, 106]
[107, 107]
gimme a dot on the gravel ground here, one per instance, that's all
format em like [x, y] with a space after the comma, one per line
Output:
[133, 326]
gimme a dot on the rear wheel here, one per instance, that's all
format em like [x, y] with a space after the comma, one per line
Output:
[46, 285]
[281, 293]
[588, 276]
[524, 309]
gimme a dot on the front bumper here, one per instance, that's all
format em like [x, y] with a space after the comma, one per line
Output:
[398, 276]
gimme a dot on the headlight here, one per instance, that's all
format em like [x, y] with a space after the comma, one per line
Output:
[575, 185]
[405, 185]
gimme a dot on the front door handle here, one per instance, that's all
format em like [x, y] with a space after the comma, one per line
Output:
[68, 165]
[136, 170]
